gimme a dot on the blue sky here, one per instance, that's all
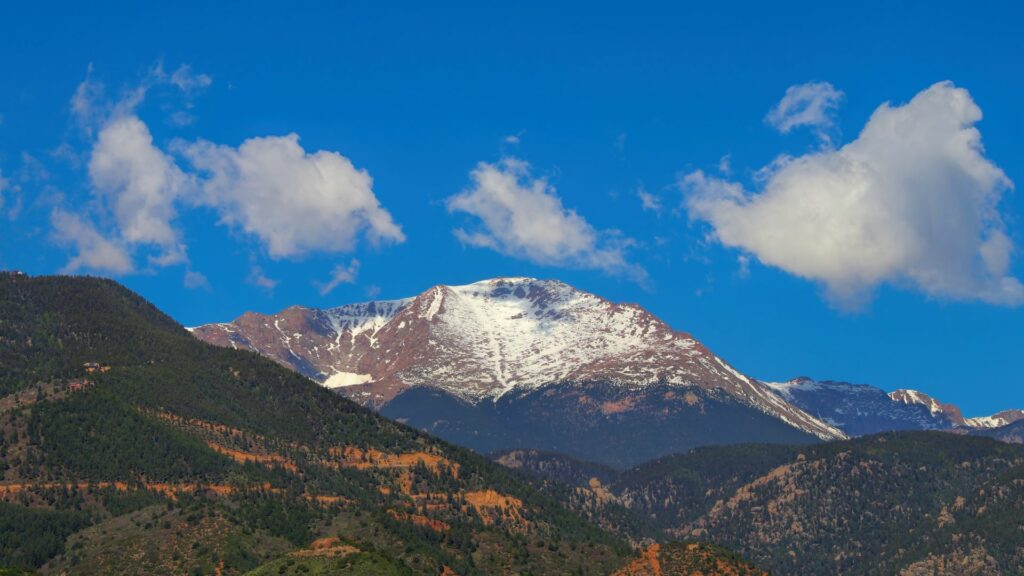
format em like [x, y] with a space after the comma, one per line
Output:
[447, 144]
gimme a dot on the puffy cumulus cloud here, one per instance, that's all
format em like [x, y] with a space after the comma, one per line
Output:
[912, 201]
[141, 184]
[294, 202]
[810, 104]
[523, 217]
[93, 250]
[342, 274]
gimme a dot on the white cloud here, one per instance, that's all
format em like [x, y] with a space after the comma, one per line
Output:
[648, 201]
[293, 201]
[810, 104]
[86, 101]
[141, 185]
[94, 251]
[523, 217]
[194, 280]
[725, 164]
[912, 201]
[91, 108]
[258, 278]
[342, 274]
[188, 81]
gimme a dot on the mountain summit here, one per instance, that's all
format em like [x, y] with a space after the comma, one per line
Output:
[495, 340]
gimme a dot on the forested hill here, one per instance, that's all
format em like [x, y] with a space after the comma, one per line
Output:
[129, 447]
[910, 503]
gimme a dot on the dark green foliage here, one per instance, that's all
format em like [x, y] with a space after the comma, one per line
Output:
[29, 537]
[50, 327]
[358, 564]
[94, 435]
[118, 503]
[703, 558]
[284, 517]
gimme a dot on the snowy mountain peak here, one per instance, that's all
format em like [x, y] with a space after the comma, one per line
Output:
[913, 397]
[1004, 418]
[482, 340]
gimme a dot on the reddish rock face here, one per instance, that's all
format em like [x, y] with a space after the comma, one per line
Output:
[483, 340]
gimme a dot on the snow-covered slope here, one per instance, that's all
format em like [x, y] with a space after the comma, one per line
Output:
[934, 407]
[480, 341]
[996, 420]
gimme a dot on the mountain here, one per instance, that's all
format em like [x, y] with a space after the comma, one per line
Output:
[997, 420]
[942, 412]
[952, 414]
[911, 503]
[487, 365]
[129, 447]
[1012, 432]
[860, 409]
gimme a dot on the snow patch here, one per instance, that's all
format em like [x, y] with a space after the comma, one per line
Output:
[342, 379]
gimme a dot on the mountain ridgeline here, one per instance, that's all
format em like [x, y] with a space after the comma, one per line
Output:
[486, 365]
[514, 363]
[127, 446]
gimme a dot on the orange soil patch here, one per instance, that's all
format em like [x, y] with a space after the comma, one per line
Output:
[489, 504]
[353, 457]
[330, 547]
[420, 520]
[325, 499]
[339, 457]
[265, 459]
[646, 565]
[624, 405]
[448, 572]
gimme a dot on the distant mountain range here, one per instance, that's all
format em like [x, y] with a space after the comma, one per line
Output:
[524, 363]
[859, 409]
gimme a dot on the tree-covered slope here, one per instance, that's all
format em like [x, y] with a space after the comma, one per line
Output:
[128, 446]
[895, 503]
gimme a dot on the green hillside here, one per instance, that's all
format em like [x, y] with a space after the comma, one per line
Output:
[127, 446]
